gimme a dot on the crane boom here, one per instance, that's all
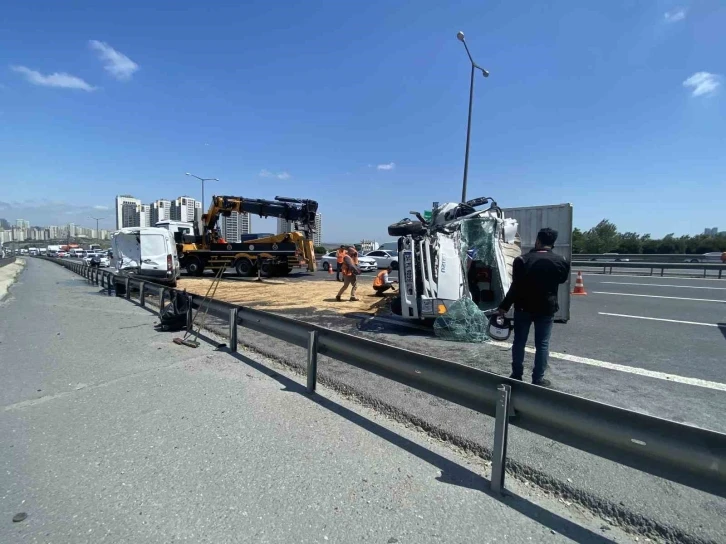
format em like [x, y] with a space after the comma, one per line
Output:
[300, 211]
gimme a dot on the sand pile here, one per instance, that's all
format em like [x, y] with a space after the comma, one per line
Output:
[280, 294]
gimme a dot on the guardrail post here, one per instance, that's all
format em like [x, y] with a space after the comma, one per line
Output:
[190, 313]
[103, 277]
[142, 293]
[127, 287]
[651, 270]
[704, 271]
[233, 329]
[109, 284]
[312, 361]
[611, 270]
[501, 428]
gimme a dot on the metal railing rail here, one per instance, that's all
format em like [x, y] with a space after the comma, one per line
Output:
[653, 266]
[678, 452]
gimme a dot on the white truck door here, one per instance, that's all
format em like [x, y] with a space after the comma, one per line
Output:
[556, 216]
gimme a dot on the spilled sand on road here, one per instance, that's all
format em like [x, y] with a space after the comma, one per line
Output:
[280, 294]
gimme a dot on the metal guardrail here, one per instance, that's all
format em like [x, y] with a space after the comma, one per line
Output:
[6, 261]
[681, 453]
[642, 257]
[653, 266]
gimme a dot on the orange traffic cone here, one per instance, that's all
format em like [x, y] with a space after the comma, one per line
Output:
[579, 286]
[330, 270]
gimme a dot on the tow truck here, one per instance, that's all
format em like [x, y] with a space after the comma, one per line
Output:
[273, 255]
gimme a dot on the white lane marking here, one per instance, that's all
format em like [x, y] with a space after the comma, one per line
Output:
[629, 369]
[645, 276]
[657, 296]
[662, 285]
[583, 360]
[719, 325]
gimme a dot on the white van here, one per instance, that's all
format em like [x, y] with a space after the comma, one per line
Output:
[147, 253]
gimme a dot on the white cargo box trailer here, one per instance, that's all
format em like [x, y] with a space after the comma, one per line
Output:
[556, 216]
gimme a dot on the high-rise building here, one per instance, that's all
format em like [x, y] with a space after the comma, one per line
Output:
[22, 224]
[127, 211]
[53, 232]
[711, 232]
[160, 211]
[104, 234]
[184, 209]
[72, 230]
[4, 224]
[145, 215]
[234, 226]
[284, 226]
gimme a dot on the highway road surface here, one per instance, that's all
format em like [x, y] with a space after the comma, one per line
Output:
[112, 433]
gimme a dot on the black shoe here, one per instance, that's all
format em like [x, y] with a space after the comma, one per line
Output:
[513, 377]
[544, 382]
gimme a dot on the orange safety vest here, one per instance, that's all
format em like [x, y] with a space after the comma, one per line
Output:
[723, 257]
[378, 282]
[341, 256]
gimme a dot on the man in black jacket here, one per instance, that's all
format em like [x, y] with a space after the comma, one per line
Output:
[536, 276]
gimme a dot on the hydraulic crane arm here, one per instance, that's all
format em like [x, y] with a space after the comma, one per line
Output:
[301, 211]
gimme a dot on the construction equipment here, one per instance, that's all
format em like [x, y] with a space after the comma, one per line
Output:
[273, 255]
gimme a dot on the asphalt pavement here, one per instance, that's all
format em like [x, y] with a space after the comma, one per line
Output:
[112, 433]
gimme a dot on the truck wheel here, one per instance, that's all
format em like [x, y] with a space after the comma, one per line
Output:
[266, 269]
[195, 266]
[244, 267]
[406, 227]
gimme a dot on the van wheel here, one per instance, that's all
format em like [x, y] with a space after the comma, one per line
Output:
[406, 227]
[195, 266]
[244, 267]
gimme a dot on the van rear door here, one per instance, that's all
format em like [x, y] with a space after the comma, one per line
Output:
[153, 253]
[558, 217]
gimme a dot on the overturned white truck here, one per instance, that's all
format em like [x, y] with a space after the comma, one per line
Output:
[462, 255]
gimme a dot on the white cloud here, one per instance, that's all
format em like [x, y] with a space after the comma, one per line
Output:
[703, 83]
[56, 79]
[97, 207]
[116, 63]
[389, 166]
[675, 15]
[264, 173]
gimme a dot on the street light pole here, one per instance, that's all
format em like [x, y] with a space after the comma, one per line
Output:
[474, 67]
[202, 180]
[98, 233]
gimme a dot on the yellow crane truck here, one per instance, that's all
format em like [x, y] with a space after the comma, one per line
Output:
[270, 255]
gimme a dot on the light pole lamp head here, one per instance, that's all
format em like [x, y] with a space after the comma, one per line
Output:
[460, 36]
[188, 174]
[484, 72]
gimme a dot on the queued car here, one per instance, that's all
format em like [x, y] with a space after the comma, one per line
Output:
[384, 258]
[365, 263]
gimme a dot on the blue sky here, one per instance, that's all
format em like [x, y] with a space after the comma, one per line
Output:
[617, 107]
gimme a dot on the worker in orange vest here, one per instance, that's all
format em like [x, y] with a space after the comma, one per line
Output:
[340, 256]
[723, 257]
[383, 283]
[350, 274]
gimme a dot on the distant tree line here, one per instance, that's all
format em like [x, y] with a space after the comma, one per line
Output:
[605, 238]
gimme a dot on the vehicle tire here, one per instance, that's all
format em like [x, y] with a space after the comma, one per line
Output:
[244, 267]
[326, 266]
[394, 265]
[195, 266]
[695, 261]
[267, 269]
[283, 270]
[406, 227]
